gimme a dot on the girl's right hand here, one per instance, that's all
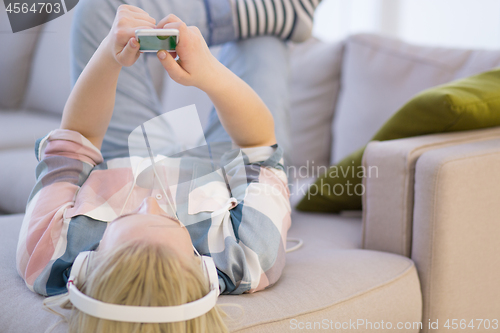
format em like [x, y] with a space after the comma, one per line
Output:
[196, 65]
[121, 39]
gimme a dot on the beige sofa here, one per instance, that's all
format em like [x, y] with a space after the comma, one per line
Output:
[426, 247]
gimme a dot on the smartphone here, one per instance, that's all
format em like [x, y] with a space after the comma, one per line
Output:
[153, 40]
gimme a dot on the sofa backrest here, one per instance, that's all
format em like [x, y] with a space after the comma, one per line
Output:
[49, 83]
[15, 60]
[379, 75]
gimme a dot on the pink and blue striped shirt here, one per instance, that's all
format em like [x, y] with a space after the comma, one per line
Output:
[239, 214]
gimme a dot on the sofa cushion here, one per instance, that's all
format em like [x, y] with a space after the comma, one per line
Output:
[21, 128]
[328, 277]
[49, 84]
[380, 74]
[314, 87]
[15, 63]
[18, 133]
[17, 178]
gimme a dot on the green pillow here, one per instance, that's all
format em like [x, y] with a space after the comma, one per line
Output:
[466, 104]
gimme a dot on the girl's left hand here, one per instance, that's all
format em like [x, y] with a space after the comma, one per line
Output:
[121, 39]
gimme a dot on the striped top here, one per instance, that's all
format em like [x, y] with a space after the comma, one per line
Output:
[236, 209]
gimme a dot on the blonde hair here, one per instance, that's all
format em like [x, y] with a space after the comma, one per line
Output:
[143, 274]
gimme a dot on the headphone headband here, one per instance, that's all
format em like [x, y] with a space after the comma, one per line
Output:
[141, 314]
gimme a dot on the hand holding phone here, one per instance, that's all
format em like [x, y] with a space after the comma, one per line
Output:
[153, 40]
[196, 65]
[120, 41]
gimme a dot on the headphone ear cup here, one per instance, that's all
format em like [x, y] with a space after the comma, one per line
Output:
[80, 268]
[211, 272]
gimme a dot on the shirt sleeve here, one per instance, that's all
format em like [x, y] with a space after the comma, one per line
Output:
[254, 257]
[66, 159]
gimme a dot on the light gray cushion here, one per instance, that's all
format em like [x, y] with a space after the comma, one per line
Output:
[20, 129]
[18, 132]
[17, 178]
[314, 87]
[329, 277]
[50, 84]
[380, 74]
[15, 61]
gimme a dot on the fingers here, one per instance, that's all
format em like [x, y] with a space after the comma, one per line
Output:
[131, 8]
[123, 35]
[181, 26]
[130, 53]
[144, 17]
[175, 71]
[132, 13]
[195, 30]
[146, 24]
[170, 18]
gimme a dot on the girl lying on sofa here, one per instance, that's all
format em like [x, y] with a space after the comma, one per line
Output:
[87, 198]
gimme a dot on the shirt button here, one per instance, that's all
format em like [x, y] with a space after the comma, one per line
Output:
[159, 196]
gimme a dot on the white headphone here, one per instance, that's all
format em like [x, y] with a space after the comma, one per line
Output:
[140, 314]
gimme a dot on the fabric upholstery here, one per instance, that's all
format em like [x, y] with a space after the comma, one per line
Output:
[354, 283]
[369, 307]
[21, 128]
[49, 84]
[16, 190]
[455, 231]
[314, 87]
[390, 230]
[15, 66]
[380, 74]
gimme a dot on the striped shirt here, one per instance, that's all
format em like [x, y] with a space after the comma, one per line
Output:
[238, 213]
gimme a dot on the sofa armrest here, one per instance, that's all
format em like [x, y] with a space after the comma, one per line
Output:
[456, 229]
[388, 198]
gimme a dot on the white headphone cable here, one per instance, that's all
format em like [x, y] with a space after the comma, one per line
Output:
[156, 174]
[133, 185]
[296, 247]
